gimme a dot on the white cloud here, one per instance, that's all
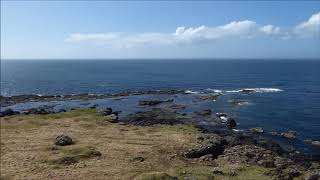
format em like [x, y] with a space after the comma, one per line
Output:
[270, 29]
[245, 29]
[310, 28]
[77, 37]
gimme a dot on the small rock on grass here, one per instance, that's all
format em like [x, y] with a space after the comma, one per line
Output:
[63, 140]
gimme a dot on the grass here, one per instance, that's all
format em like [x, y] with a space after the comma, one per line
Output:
[72, 154]
[27, 149]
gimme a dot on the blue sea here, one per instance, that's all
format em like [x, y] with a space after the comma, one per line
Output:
[287, 91]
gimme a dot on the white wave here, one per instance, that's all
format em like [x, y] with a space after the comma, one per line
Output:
[267, 90]
[237, 130]
[233, 91]
[214, 90]
[191, 92]
[255, 90]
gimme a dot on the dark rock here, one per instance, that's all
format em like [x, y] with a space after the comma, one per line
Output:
[107, 111]
[257, 130]
[210, 145]
[248, 154]
[231, 123]
[8, 112]
[40, 110]
[289, 134]
[63, 140]
[112, 118]
[213, 97]
[152, 102]
[205, 112]
[137, 159]
[156, 116]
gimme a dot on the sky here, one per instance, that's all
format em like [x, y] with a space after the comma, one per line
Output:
[159, 29]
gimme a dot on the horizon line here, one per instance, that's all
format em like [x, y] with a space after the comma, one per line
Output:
[206, 58]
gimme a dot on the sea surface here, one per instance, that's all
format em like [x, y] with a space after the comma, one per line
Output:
[287, 92]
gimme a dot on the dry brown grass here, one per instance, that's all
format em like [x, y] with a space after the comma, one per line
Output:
[27, 150]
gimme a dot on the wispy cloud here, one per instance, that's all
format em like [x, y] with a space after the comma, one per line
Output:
[245, 29]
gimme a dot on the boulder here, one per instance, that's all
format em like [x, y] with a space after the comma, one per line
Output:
[289, 134]
[212, 146]
[107, 111]
[257, 130]
[231, 123]
[63, 140]
[113, 118]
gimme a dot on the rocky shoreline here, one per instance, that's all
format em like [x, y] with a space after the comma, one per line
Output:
[218, 142]
[11, 100]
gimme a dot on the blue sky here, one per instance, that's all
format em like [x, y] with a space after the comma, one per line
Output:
[178, 29]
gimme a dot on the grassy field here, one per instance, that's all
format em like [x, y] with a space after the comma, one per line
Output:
[103, 150]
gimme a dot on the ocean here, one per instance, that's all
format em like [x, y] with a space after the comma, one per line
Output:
[287, 92]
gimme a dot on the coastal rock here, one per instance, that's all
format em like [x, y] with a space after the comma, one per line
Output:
[156, 116]
[289, 134]
[40, 110]
[213, 97]
[113, 118]
[231, 123]
[257, 130]
[107, 111]
[205, 112]
[313, 175]
[238, 102]
[312, 142]
[212, 146]
[63, 140]
[248, 154]
[152, 102]
[7, 112]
